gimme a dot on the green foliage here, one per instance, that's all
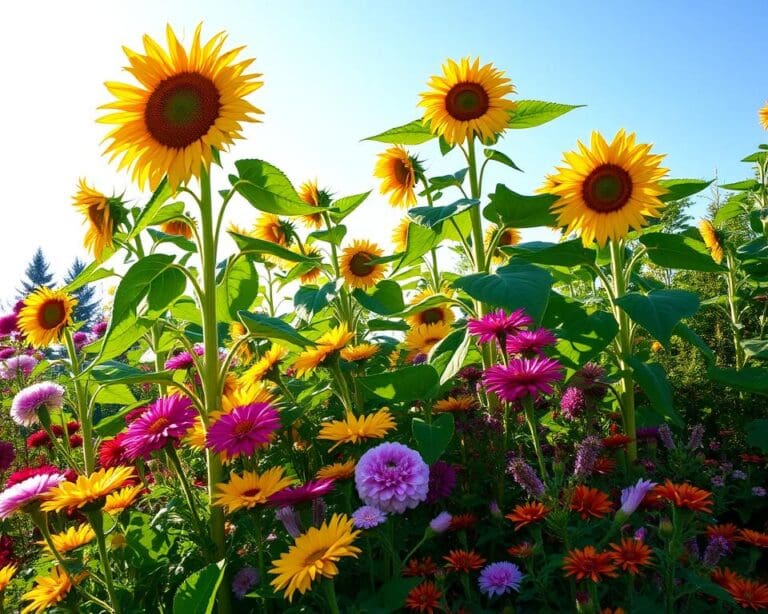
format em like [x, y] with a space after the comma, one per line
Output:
[532, 113]
[433, 438]
[197, 594]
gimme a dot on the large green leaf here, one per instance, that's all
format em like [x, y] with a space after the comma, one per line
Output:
[412, 133]
[197, 594]
[532, 113]
[757, 434]
[310, 300]
[116, 372]
[682, 188]
[517, 284]
[757, 348]
[448, 356]
[149, 211]
[659, 311]
[748, 379]
[89, 274]
[237, 291]
[757, 249]
[333, 235]
[653, 380]
[679, 252]
[582, 339]
[432, 439]
[267, 327]
[418, 382]
[346, 205]
[419, 241]
[501, 158]
[385, 299]
[251, 245]
[508, 208]
[731, 209]
[567, 254]
[447, 181]
[433, 217]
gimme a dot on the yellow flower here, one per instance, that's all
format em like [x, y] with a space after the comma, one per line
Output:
[400, 235]
[459, 403]
[87, 489]
[433, 315]
[187, 105]
[195, 436]
[71, 539]
[311, 275]
[362, 351]
[245, 393]
[6, 573]
[330, 342]
[355, 264]
[269, 227]
[509, 236]
[607, 189]
[397, 171]
[45, 314]
[711, 240]
[179, 228]
[656, 347]
[95, 206]
[763, 115]
[468, 100]
[261, 368]
[121, 499]
[315, 554]
[251, 489]
[336, 471]
[236, 332]
[49, 590]
[424, 337]
[309, 193]
[353, 429]
[118, 541]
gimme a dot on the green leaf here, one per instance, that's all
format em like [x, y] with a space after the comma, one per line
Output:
[433, 439]
[448, 356]
[381, 325]
[115, 372]
[419, 241]
[385, 299]
[748, 379]
[237, 291]
[433, 300]
[113, 394]
[177, 240]
[112, 425]
[757, 434]
[272, 328]
[653, 380]
[89, 274]
[412, 133]
[682, 188]
[197, 594]
[146, 548]
[567, 254]
[508, 208]
[742, 186]
[149, 211]
[756, 249]
[581, 339]
[334, 235]
[684, 332]
[310, 300]
[532, 113]
[679, 252]
[731, 209]
[391, 596]
[757, 348]
[167, 213]
[517, 284]
[447, 181]
[501, 158]
[659, 311]
[433, 217]
[418, 382]
[251, 245]
[344, 206]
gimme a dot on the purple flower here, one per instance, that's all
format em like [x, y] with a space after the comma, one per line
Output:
[665, 435]
[586, 456]
[7, 455]
[718, 481]
[296, 495]
[419, 358]
[697, 434]
[7, 353]
[526, 477]
[441, 523]
[497, 325]
[442, 479]
[183, 360]
[640, 534]
[17, 496]
[290, 519]
[692, 546]
[367, 517]
[319, 508]
[392, 477]
[523, 377]
[573, 403]
[632, 496]
[494, 509]
[80, 339]
[29, 401]
[244, 581]
[500, 578]
[649, 434]
[739, 475]
[759, 491]
[716, 548]
[166, 420]
[530, 342]
[8, 324]
[17, 365]
[100, 328]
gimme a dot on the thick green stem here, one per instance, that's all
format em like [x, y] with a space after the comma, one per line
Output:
[89, 454]
[174, 458]
[330, 595]
[98, 527]
[530, 419]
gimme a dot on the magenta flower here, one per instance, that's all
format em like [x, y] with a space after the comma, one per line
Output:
[30, 400]
[183, 360]
[8, 324]
[442, 479]
[295, 495]
[392, 477]
[498, 325]
[367, 517]
[573, 403]
[500, 578]
[523, 377]
[165, 421]
[530, 342]
[17, 365]
[441, 523]
[17, 496]
[632, 496]
[243, 430]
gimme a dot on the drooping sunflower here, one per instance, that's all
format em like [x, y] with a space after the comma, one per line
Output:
[262, 367]
[179, 227]
[313, 271]
[314, 197]
[711, 240]
[86, 490]
[359, 352]
[251, 489]
[45, 314]
[353, 428]
[468, 100]
[49, 590]
[425, 336]
[508, 236]
[315, 553]
[355, 264]
[71, 539]
[763, 115]
[432, 315]
[400, 235]
[95, 206]
[269, 227]
[328, 343]
[607, 189]
[188, 103]
[398, 172]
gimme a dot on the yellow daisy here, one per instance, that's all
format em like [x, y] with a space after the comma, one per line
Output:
[763, 115]
[424, 337]
[711, 240]
[86, 490]
[608, 189]
[6, 574]
[509, 236]
[251, 489]
[434, 315]
[45, 314]
[330, 342]
[98, 215]
[188, 103]
[315, 553]
[397, 171]
[359, 352]
[195, 436]
[71, 539]
[400, 235]
[357, 428]
[236, 332]
[245, 393]
[121, 499]
[311, 195]
[355, 264]
[262, 367]
[336, 471]
[49, 590]
[459, 403]
[179, 228]
[468, 100]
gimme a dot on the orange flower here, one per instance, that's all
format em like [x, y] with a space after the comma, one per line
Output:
[464, 560]
[685, 495]
[756, 538]
[420, 568]
[588, 563]
[463, 521]
[749, 594]
[631, 554]
[604, 466]
[424, 598]
[590, 502]
[726, 531]
[521, 551]
[612, 611]
[527, 513]
[724, 577]
[614, 442]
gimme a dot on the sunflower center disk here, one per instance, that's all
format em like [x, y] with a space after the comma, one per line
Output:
[607, 188]
[432, 316]
[359, 264]
[182, 109]
[402, 172]
[466, 101]
[51, 314]
[252, 492]
[96, 215]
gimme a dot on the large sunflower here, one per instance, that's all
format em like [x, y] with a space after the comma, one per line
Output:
[251, 489]
[607, 189]
[711, 240]
[98, 215]
[424, 337]
[45, 314]
[468, 100]
[356, 267]
[187, 105]
[432, 315]
[398, 173]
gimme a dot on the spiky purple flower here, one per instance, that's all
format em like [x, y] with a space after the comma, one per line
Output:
[22, 493]
[586, 456]
[8, 324]
[697, 434]
[573, 403]
[183, 360]
[716, 548]
[304, 493]
[759, 491]
[367, 517]
[30, 400]
[392, 477]
[442, 479]
[497, 325]
[523, 377]
[526, 477]
[500, 578]
[739, 475]
[243, 430]
[665, 435]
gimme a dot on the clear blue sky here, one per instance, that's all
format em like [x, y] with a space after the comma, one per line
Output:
[687, 76]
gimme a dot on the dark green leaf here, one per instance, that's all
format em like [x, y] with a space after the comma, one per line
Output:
[381, 325]
[748, 379]
[508, 208]
[310, 300]
[177, 240]
[501, 158]
[197, 594]
[433, 217]
[448, 356]
[412, 133]
[567, 254]
[659, 311]
[739, 186]
[532, 113]
[582, 339]
[682, 188]
[757, 434]
[679, 252]
[756, 249]
[653, 380]
[115, 372]
[419, 382]
[265, 326]
[335, 235]
[757, 348]
[385, 299]
[684, 332]
[251, 245]
[391, 596]
[433, 439]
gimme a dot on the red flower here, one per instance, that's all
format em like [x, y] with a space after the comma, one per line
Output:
[521, 551]
[463, 521]
[684, 495]
[590, 502]
[756, 538]
[588, 563]
[112, 452]
[724, 577]
[75, 441]
[464, 560]
[614, 442]
[755, 459]
[631, 554]
[604, 466]
[726, 531]
[527, 513]
[424, 598]
[39, 439]
[420, 568]
[749, 594]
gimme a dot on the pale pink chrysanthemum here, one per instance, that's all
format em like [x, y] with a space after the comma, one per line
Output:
[30, 400]
[17, 496]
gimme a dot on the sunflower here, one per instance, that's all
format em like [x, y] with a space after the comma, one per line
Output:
[271, 228]
[251, 489]
[359, 352]
[6, 574]
[45, 314]
[315, 553]
[71, 539]
[608, 189]
[187, 105]
[424, 337]
[311, 275]
[463, 402]
[262, 367]
[353, 429]
[121, 499]
[336, 471]
[355, 267]
[763, 115]
[398, 173]
[49, 590]
[86, 490]
[434, 314]
[179, 228]
[330, 342]
[96, 208]
[468, 100]
[508, 237]
[400, 235]
[711, 240]
[311, 195]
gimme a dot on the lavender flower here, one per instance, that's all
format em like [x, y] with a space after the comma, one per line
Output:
[632, 496]
[17, 365]
[526, 477]
[290, 519]
[573, 403]
[739, 475]
[442, 479]
[244, 581]
[441, 523]
[717, 547]
[367, 517]
[586, 456]
[718, 481]
[29, 401]
[665, 435]
[392, 477]
[759, 491]
[500, 578]
[692, 546]
[697, 434]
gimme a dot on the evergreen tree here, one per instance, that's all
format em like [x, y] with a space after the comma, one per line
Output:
[87, 306]
[38, 274]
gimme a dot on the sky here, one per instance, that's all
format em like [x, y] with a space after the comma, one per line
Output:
[686, 76]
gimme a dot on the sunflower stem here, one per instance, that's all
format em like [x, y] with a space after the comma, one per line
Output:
[97, 523]
[330, 595]
[89, 456]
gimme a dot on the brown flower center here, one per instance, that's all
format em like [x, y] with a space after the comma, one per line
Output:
[51, 314]
[96, 214]
[607, 188]
[432, 316]
[243, 429]
[466, 101]
[182, 109]
[315, 558]
[359, 266]
[252, 492]
[507, 237]
[158, 425]
[403, 172]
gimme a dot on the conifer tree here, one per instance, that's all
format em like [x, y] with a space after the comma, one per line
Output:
[38, 274]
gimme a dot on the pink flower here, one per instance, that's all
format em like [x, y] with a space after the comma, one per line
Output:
[392, 477]
[294, 495]
[166, 420]
[498, 325]
[523, 377]
[530, 342]
[17, 496]
[29, 401]
[243, 430]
